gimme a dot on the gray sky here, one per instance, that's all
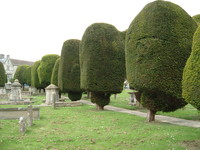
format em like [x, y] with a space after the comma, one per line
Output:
[30, 29]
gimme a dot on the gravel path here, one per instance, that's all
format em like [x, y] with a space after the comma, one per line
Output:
[171, 120]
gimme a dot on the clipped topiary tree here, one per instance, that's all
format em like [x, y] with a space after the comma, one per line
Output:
[27, 74]
[20, 74]
[102, 62]
[3, 76]
[69, 70]
[158, 43]
[191, 74]
[54, 76]
[197, 18]
[34, 75]
[45, 69]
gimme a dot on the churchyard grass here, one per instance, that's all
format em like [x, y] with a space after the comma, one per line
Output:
[38, 99]
[188, 112]
[85, 128]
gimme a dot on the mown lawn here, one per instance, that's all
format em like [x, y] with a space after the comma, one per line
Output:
[188, 112]
[85, 128]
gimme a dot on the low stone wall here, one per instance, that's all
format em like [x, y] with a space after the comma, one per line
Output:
[4, 96]
[2, 90]
[26, 93]
[68, 104]
[16, 102]
[16, 113]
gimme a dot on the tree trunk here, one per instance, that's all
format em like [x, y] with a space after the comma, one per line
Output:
[151, 115]
[138, 95]
[88, 94]
[99, 107]
[115, 96]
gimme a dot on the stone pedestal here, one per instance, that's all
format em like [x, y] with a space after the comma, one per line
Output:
[33, 90]
[132, 98]
[8, 87]
[15, 94]
[52, 94]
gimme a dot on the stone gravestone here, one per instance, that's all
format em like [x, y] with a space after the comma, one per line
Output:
[54, 101]
[8, 87]
[22, 125]
[15, 94]
[30, 115]
[52, 94]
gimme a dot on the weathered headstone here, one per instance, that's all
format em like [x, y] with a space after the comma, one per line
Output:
[2, 90]
[54, 101]
[50, 91]
[30, 115]
[15, 94]
[8, 87]
[22, 125]
[132, 98]
[33, 90]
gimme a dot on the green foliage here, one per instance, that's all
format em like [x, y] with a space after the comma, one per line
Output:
[54, 77]
[27, 75]
[101, 99]
[197, 18]
[3, 76]
[45, 69]
[102, 59]
[74, 96]
[21, 74]
[34, 75]
[191, 74]
[158, 43]
[69, 68]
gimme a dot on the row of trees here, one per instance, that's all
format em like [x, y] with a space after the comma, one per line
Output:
[151, 54]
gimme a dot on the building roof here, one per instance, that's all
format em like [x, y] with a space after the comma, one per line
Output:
[17, 62]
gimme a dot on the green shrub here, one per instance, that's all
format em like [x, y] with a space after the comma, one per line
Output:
[197, 18]
[28, 75]
[102, 61]
[3, 76]
[34, 75]
[69, 69]
[22, 74]
[54, 77]
[45, 69]
[158, 43]
[191, 74]
[74, 96]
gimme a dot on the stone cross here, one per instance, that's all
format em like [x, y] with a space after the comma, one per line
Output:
[22, 125]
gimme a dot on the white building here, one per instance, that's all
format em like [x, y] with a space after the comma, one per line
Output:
[11, 65]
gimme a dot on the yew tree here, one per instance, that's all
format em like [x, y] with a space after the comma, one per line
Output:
[45, 69]
[102, 62]
[69, 70]
[158, 44]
